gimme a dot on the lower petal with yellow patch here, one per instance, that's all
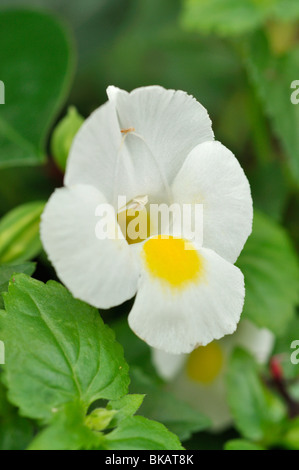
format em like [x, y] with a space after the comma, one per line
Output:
[187, 297]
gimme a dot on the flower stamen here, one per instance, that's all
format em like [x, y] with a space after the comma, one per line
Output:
[127, 131]
[134, 221]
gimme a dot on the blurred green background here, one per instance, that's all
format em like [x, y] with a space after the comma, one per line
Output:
[237, 57]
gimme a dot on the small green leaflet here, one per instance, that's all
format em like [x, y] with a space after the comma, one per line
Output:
[139, 433]
[70, 430]
[6, 272]
[67, 431]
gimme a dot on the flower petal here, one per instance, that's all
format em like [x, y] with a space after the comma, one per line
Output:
[258, 341]
[177, 318]
[170, 122]
[94, 151]
[115, 164]
[167, 365]
[212, 176]
[102, 272]
[211, 400]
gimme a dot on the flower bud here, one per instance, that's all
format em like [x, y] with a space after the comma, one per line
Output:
[19, 233]
[63, 136]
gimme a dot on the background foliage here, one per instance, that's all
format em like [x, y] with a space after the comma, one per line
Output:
[238, 58]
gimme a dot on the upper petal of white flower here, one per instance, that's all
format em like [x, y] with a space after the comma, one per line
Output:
[171, 122]
[115, 164]
[176, 316]
[103, 272]
[258, 341]
[136, 143]
[92, 158]
[212, 176]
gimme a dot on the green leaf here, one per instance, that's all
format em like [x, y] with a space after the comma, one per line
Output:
[58, 350]
[242, 444]
[270, 266]
[99, 419]
[7, 270]
[63, 136]
[163, 406]
[67, 432]
[272, 77]
[70, 429]
[19, 233]
[224, 17]
[138, 433]
[258, 414]
[235, 17]
[125, 407]
[36, 68]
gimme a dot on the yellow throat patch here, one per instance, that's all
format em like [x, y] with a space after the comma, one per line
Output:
[172, 260]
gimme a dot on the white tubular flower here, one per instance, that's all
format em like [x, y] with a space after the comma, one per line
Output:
[199, 378]
[153, 146]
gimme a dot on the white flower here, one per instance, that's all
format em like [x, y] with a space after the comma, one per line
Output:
[199, 378]
[153, 146]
